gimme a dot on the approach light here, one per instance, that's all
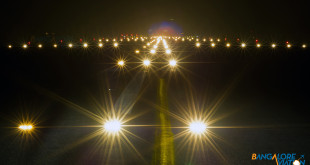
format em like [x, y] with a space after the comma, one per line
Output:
[273, 45]
[115, 44]
[198, 44]
[213, 45]
[228, 45]
[85, 45]
[40, 46]
[100, 45]
[243, 45]
[197, 127]
[258, 45]
[112, 126]
[25, 127]
[296, 162]
[25, 46]
[146, 62]
[168, 51]
[121, 63]
[153, 51]
[172, 63]
[70, 45]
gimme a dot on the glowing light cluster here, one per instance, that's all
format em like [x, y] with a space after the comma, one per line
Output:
[26, 127]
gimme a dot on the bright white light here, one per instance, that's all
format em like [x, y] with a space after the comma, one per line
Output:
[25, 127]
[168, 51]
[40, 46]
[243, 45]
[113, 126]
[197, 44]
[218, 40]
[197, 127]
[296, 162]
[55, 45]
[121, 63]
[166, 46]
[25, 46]
[213, 45]
[155, 46]
[137, 51]
[304, 46]
[115, 44]
[172, 63]
[273, 45]
[146, 62]
[10, 46]
[100, 45]
[148, 44]
[153, 51]
[85, 45]
[288, 45]
[70, 45]
[228, 45]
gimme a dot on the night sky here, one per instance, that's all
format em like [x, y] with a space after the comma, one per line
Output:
[262, 92]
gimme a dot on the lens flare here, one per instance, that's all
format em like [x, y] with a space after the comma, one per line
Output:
[113, 126]
[197, 127]
[172, 63]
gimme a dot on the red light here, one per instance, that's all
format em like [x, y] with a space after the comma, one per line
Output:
[287, 42]
[28, 43]
[256, 40]
[94, 39]
[81, 39]
[225, 39]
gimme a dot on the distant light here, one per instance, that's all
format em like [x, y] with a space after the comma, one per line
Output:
[148, 44]
[70, 45]
[197, 127]
[25, 127]
[137, 51]
[218, 40]
[146, 62]
[197, 44]
[273, 45]
[288, 45]
[258, 45]
[211, 40]
[228, 45]
[121, 63]
[168, 51]
[204, 40]
[213, 45]
[85, 45]
[153, 51]
[296, 162]
[304, 46]
[113, 126]
[25, 46]
[10, 46]
[144, 46]
[115, 44]
[155, 46]
[100, 45]
[172, 63]
[166, 46]
[40, 46]
[107, 40]
[100, 40]
[55, 45]
[243, 45]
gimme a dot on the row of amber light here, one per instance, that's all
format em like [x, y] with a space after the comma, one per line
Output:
[168, 51]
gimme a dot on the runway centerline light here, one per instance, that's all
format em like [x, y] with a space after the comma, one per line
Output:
[197, 127]
[146, 62]
[100, 45]
[153, 51]
[112, 126]
[25, 46]
[172, 63]
[70, 45]
[85, 45]
[228, 45]
[273, 45]
[115, 44]
[258, 45]
[288, 45]
[168, 51]
[213, 45]
[198, 44]
[121, 63]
